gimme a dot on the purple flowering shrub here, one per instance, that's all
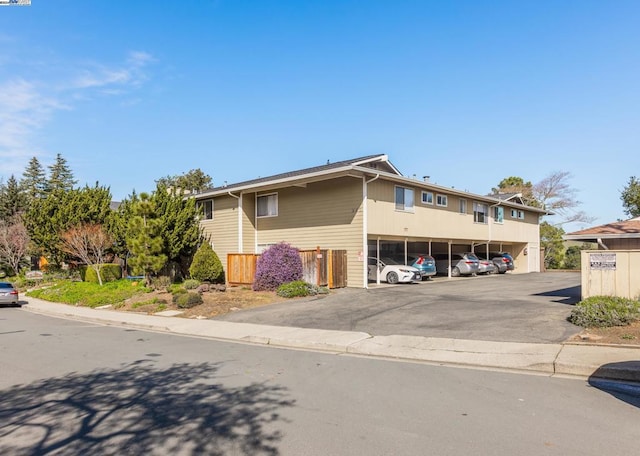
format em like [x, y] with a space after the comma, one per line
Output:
[278, 264]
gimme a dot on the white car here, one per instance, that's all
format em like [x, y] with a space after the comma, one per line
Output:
[392, 271]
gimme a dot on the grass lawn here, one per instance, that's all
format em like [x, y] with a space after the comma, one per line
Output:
[89, 294]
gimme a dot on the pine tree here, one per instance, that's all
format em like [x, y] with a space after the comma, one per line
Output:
[144, 239]
[60, 175]
[12, 199]
[33, 182]
[179, 226]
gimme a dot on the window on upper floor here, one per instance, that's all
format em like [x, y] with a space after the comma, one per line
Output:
[521, 215]
[463, 206]
[498, 214]
[480, 212]
[404, 199]
[267, 205]
[441, 200]
[514, 213]
[206, 209]
[427, 198]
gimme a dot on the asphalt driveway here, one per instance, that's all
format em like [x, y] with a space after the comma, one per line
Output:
[510, 308]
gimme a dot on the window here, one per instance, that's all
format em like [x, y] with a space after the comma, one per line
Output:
[498, 214]
[463, 206]
[521, 215]
[427, 198]
[267, 205]
[480, 212]
[514, 213]
[206, 209]
[404, 199]
[441, 200]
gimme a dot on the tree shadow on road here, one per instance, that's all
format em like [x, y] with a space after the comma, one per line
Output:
[571, 295]
[627, 392]
[140, 409]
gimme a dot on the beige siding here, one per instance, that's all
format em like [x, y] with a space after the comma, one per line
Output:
[222, 231]
[443, 223]
[326, 214]
[248, 227]
[622, 243]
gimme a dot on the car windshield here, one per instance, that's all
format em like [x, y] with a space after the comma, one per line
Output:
[5, 285]
[391, 261]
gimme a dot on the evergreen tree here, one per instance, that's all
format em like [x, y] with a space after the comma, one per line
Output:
[179, 226]
[630, 197]
[12, 199]
[144, 238]
[117, 225]
[33, 182]
[60, 175]
[206, 265]
[48, 217]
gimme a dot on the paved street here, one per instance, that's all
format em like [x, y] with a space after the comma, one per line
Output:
[77, 388]
[507, 308]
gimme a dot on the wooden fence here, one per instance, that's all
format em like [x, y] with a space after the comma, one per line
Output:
[326, 268]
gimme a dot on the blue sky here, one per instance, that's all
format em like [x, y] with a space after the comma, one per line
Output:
[468, 92]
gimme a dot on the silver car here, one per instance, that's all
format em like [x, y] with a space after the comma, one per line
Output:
[461, 264]
[8, 294]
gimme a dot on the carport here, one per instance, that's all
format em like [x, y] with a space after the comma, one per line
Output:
[404, 247]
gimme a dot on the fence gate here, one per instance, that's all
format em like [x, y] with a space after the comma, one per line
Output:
[241, 268]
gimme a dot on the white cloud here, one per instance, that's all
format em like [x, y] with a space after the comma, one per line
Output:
[28, 105]
[129, 74]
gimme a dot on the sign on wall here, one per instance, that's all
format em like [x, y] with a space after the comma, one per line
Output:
[603, 261]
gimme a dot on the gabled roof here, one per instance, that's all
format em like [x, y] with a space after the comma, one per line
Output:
[378, 162]
[512, 197]
[369, 165]
[625, 229]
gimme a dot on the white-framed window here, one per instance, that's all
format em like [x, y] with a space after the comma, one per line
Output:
[404, 199]
[267, 205]
[498, 214]
[514, 213]
[521, 215]
[480, 212]
[463, 206]
[441, 200]
[427, 198]
[206, 209]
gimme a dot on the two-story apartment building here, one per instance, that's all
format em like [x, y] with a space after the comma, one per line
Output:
[366, 207]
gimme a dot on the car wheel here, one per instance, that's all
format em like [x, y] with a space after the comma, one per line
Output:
[503, 272]
[455, 272]
[392, 277]
[495, 270]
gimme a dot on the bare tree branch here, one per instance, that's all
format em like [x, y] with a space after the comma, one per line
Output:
[89, 243]
[14, 242]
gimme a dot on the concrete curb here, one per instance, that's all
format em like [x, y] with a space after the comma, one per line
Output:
[606, 362]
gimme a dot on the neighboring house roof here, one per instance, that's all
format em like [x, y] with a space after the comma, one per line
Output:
[370, 165]
[616, 230]
[114, 205]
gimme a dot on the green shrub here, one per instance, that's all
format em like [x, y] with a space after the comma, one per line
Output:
[191, 284]
[206, 266]
[161, 283]
[605, 311]
[187, 300]
[108, 272]
[296, 289]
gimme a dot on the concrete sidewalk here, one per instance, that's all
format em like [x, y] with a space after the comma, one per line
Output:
[588, 361]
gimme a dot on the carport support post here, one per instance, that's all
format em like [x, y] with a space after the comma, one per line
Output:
[449, 268]
[378, 261]
[405, 251]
